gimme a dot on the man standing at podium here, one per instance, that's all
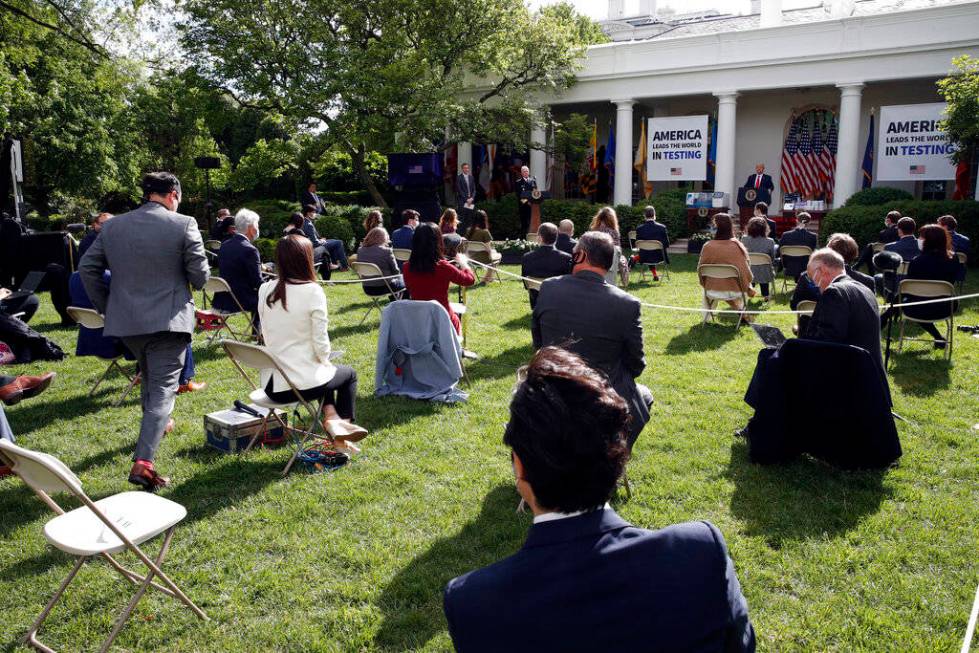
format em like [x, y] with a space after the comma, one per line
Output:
[762, 184]
[524, 185]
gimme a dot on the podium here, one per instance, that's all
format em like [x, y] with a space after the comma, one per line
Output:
[698, 217]
[748, 196]
[535, 197]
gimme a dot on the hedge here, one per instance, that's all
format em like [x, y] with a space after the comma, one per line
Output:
[877, 196]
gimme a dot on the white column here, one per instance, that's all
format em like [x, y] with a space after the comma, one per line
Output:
[464, 155]
[538, 158]
[727, 115]
[622, 190]
[848, 149]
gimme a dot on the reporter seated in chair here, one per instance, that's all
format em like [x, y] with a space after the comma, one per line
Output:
[292, 309]
[650, 229]
[479, 233]
[427, 273]
[241, 266]
[544, 261]
[374, 249]
[906, 245]
[800, 235]
[845, 246]
[586, 579]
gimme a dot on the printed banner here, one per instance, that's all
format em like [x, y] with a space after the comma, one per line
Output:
[677, 149]
[911, 147]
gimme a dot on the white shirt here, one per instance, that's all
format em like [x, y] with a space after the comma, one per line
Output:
[554, 516]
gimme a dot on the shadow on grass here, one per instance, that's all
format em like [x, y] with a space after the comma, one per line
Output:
[702, 337]
[522, 322]
[920, 373]
[34, 415]
[805, 499]
[412, 601]
[502, 365]
[221, 486]
[377, 413]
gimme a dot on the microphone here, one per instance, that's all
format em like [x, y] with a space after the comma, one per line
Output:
[246, 409]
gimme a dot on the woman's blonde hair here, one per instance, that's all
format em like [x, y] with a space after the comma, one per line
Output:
[376, 236]
[447, 222]
[605, 218]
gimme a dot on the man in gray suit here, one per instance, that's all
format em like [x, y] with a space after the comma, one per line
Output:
[602, 324]
[155, 255]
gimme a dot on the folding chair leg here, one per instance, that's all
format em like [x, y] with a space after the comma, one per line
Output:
[102, 378]
[307, 435]
[31, 637]
[260, 431]
[129, 388]
[135, 578]
[375, 305]
[900, 337]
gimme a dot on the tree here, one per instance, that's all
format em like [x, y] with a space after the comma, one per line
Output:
[961, 92]
[386, 74]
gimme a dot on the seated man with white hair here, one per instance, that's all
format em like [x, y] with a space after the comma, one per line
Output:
[565, 237]
[240, 265]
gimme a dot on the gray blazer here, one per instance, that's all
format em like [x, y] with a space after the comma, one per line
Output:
[382, 257]
[155, 255]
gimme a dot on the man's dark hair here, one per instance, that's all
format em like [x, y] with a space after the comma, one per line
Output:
[949, 222]
[906, 226]
[893, 216]
[408, 214]
[762, 207]
[598, 249]
[803, 217]
[547, 233]
[159, 183]
[308, 208]
[568, 427]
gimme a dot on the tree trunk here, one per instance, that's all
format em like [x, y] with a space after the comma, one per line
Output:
[357, 157]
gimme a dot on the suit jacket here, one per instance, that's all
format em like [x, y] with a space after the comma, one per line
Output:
[402, 236]
[240, 265]
[383, 258]
[87, 242]
[907, 247]
[847, 313]
[888, 234]
[544, 262]
[524, 185]
[600, 323]
[652, 230]
[961, 243]
[594, 582]
[309, 230]
[155, 255]
[313, 199]
[772, 228]
[799, 236]
[766, 182]
[565, 243]
[465, 187]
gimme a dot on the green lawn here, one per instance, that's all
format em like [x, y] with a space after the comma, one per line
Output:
[357, 559]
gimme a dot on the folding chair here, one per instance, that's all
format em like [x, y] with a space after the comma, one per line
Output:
[401, 254]
[366, 272]
[922, 289]
[216, 320]
[632, 239]
[532, 237]
[483, 253]
[533, 283]
[963, 261]
[211, 248]
[244, 355]
[806, 306]
[721, 271]
[761, 260]
[650, 246]
[902, 269]
[91, 319]
[792, 267]
[115, 524]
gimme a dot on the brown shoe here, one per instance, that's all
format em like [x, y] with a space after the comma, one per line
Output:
[191, 386]
[35, 385]
[146, 477]
[11, 393]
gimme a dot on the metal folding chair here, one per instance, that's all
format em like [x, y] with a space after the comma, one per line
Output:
[721, 271]
[963, 259]
[761, 260]
[115, 524]
[91, 319]
[216, 320]
[632, 239]
[806, 306]
[483, 253]
[650, 246]
[532, 237]
[254, 357]
[793, 252]
[366, 272]
[926, 289]
[401, 254]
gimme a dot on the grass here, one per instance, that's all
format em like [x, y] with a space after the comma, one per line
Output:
[357, 559]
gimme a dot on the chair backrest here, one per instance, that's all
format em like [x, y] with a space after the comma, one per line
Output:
[532, 237]
[717, 271]
[632, 238]
[648, 245]
[366, 270]
[474, 246]
[87, 317]
[931, 289]
[795, 250]
[215, 285]
[40, 471]
[877, 247]
[902, 269]
[533, 283]
[212, 245]
[253, 356]
[806, 306]
[402, 254]
[758, 258]
[963, 257]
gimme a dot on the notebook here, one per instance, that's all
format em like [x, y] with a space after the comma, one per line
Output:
[770, 336]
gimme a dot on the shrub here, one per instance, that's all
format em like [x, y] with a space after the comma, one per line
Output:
[274, 214]
[336, 226]
[266, 248]
[360, 197]
[878, 196]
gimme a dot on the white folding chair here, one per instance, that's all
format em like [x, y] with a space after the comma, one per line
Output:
[483, 253]
[721, 271]
[922, 289]
[902, 269]
[115, 524]
[216, 320]
[401, 254]
[805, 307]
[533, 283]
[632, 239]
[757, 259]
[254, 357]
[367, 272]
[532, 237]
[651, 246]
[91, 319]
[793, 252]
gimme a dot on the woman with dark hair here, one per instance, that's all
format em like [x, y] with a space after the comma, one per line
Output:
[479, 233]
[725, 250]
[757, 241]
[607, 222]
[374, 219]
[292, 309]
[427, 274]
[448, 224]
[295, 225]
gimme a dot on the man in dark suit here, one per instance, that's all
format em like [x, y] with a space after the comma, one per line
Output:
[597, 321]
[565, 237]
[402, 236]
[800, 235]
[762, 184]
[960, 244]
[650, 229]
[156, 255]
[224, 225]
[761, 211]
[545, 261]
[465, 190]
[93, 233]
[241, 266]
[312, 199]
[907, 245]
[585, 579]
[331, 246]
[887, 235]
[523, 186]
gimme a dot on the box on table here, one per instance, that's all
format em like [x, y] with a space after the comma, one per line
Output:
[231, 430]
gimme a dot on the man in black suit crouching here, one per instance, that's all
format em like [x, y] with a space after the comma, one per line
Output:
[545, 261]
[585, 579]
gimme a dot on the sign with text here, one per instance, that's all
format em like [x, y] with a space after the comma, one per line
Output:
[677, 149]
[911, 146]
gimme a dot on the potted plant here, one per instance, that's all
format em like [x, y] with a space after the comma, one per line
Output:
[696, 242]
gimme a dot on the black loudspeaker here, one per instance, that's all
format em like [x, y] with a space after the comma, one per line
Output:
[207, 162]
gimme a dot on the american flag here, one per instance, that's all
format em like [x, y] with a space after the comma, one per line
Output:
[829, 149]
[819, 163]
[805, 169]
[789, 181]
[676, 171]
[917, 170]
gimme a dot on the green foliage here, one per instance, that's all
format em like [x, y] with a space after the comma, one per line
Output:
[262, 164]
[266, 248]
[274, 215]
[961, 92]
[337, 226]
[878, 195]
[334, 170]
[865, 222]
[571, 139]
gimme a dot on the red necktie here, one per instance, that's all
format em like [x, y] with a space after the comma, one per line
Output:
[757, 181]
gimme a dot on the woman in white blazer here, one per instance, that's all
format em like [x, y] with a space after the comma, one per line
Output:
[292, 310]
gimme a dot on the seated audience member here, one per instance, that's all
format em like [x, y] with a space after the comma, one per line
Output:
[845, 246]
[479, 233]
[24, 306]
[374, 219]
[800, 234]
[907, 245]
[295, 225]
[585, 579]
[374, 249]
[960, 244]
[607, 222]
[761, 211]
[565, 238]
[725, 250]
[241, 266]
[294, 322]
[15, 388]
[401, 238]
[93, 233]
[650, 229]
[597, 321]
[427, 273]
[449, 225]
[756, 241]
[887, 235]
[92, 342]
[544, 261]
[224, 225]
[332, 246]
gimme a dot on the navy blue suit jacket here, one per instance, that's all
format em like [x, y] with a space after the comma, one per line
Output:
[651, 230]
[402, 236]
[240, 265]
[597, 583]
[961, 243]
[907, 247]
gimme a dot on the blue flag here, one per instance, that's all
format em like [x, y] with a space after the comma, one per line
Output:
[610, 151]
[868, 157]
[712, 153]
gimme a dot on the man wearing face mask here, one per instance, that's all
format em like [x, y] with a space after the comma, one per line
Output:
[241, 266]
[155, 255]
[598, 321]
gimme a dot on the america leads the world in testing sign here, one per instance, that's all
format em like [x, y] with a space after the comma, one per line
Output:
[677, 148]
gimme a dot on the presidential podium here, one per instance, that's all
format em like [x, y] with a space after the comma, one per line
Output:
[748, 196]
[535, 197]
